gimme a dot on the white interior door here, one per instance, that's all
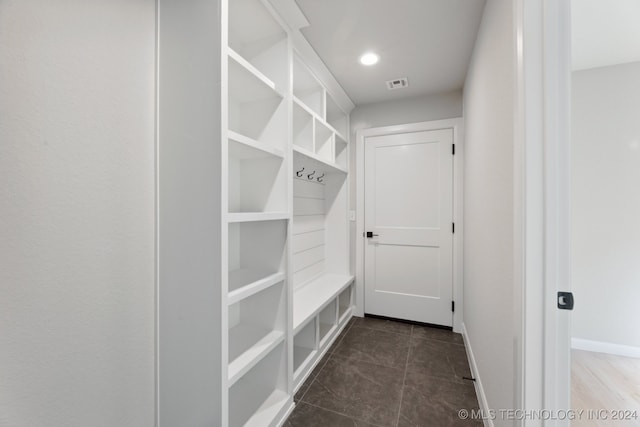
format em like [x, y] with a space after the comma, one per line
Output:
[409, 212]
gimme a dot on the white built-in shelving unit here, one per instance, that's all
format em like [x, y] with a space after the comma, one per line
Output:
[258, 384]
[322, 283]
[284, 289]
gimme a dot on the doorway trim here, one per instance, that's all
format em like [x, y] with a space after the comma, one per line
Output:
[542, 206]
[456, 124]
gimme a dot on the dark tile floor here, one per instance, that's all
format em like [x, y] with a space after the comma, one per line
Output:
[387, 374]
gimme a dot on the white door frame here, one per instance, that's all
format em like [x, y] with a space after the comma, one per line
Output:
[542, 205]
[458, 161]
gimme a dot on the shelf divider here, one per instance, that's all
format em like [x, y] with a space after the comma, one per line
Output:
[256, 216]
[259, 149]
[247, 359]
[246, 282]
[253, 70]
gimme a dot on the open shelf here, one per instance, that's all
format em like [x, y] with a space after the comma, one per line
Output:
[302, 128]
[251, 344]
[310, 298]
[256, 325]
[323, 141]
[304, 347]
[341, 152]
[258, 249]
[307, 88]
[327, 321]
[336, 117]
[260, 395]
[256, 108]
[256, 184]
[344, 301]
[312, 160]
[242, 147]
[258, 37]
[245, 282]
[256, 216]
[236, 58]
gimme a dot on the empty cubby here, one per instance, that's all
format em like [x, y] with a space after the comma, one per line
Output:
[257, 397]
[324, 141]
[302, 128]
[327, 321]
[342, 152]
[307, 88]
[258, 38]
[256, 249]
[336, 117]
[344, 301]
[257, 180]
[304, 345]
[255, 324]
[256, 110]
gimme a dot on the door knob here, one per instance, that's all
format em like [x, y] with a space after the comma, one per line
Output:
[370, 234]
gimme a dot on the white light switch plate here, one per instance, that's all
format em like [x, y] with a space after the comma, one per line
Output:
[352, 215]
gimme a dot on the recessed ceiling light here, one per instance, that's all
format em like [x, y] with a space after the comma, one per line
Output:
[369, 58]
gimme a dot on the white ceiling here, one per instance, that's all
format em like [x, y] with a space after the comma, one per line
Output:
[604, 32]
[428, 41]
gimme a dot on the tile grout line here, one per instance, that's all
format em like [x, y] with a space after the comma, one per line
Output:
[439, 341]
[351, 417]
[386, 330]
[404, 378]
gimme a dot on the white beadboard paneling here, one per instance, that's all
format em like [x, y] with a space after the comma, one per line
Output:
[308, 189]
[309, 233]
[308, 258]
[306, 224]
[304, 241]
[302, 206]
[307, 274]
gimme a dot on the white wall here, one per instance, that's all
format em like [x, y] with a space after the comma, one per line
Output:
[409, 110]
[77, 213]
[606, 204]
[190, 256]
[489, 205]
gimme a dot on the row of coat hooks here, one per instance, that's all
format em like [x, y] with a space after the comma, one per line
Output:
[309, 176]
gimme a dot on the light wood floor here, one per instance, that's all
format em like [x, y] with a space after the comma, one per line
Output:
[604, 381]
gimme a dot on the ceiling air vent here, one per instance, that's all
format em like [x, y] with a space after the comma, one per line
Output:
[397, 83]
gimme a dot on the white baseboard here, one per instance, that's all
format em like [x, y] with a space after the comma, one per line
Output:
[482, 398]
[605, 347]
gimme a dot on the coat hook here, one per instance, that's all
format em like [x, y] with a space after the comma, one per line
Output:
[310, 176]
[299, 173]
[320, 178]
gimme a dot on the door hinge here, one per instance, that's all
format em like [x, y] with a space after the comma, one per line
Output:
[453, 149]
[453, 227]
[453, 306]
